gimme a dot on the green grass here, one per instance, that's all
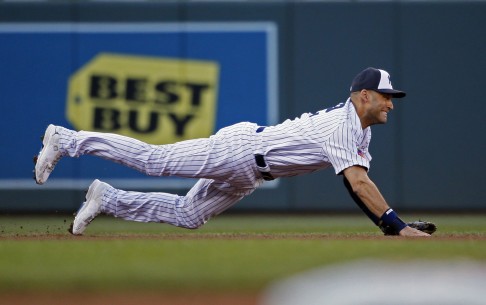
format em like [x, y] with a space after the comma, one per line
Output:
[236, 253]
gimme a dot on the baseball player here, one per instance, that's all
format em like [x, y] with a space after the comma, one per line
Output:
[236, 160]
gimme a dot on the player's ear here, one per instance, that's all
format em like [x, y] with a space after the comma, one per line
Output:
[364, 95]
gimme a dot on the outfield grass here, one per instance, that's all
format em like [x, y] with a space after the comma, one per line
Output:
[237, 253]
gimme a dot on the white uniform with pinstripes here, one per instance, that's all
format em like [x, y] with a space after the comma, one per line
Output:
[224, 162]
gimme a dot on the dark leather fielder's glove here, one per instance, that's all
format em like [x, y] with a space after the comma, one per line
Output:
[424, 226]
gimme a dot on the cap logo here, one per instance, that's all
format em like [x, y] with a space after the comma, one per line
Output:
[385, 82]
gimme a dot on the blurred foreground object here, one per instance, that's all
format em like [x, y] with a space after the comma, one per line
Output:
[383, 283]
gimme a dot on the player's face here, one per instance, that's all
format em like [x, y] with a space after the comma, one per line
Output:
[380, 105]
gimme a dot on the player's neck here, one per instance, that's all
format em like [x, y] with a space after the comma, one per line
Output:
[360, 111]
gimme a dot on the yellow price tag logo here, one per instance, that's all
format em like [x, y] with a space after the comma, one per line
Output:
[156, 100]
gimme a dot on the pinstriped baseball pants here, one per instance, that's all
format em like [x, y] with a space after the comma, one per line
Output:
[224, 164]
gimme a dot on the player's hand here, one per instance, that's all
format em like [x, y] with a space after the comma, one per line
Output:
[408, 231]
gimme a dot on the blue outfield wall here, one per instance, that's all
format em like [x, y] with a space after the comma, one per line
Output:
[225, 62]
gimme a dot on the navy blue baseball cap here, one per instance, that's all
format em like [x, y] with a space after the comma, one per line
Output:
[376, 80]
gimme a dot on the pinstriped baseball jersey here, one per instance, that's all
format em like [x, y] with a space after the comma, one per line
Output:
[331, 137]
[224, 163]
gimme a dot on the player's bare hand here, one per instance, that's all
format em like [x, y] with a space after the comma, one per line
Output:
[411, 232]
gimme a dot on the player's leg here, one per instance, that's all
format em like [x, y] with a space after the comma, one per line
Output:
[198, 158]
[206, 199]
[182, 159]
[203, 201]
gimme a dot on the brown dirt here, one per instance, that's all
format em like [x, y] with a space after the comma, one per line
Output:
[237, 236]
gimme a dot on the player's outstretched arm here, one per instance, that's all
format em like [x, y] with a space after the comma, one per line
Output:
[367, 196]
[366, 191]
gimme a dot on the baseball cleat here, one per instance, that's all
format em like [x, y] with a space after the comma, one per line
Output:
[90, 208]
[48, 156]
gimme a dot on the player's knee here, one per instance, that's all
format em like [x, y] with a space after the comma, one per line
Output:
[155, 163]
[190, 218]
[154, 171]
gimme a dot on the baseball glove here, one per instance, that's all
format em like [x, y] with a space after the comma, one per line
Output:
[424, 226]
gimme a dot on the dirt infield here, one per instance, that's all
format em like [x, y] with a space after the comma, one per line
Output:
[237, 236]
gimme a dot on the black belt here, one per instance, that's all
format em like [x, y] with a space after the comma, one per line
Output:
[261, 164]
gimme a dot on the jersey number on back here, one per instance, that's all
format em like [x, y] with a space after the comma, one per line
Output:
[340, 105]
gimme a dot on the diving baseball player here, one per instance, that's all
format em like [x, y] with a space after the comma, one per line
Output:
[236, 160]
